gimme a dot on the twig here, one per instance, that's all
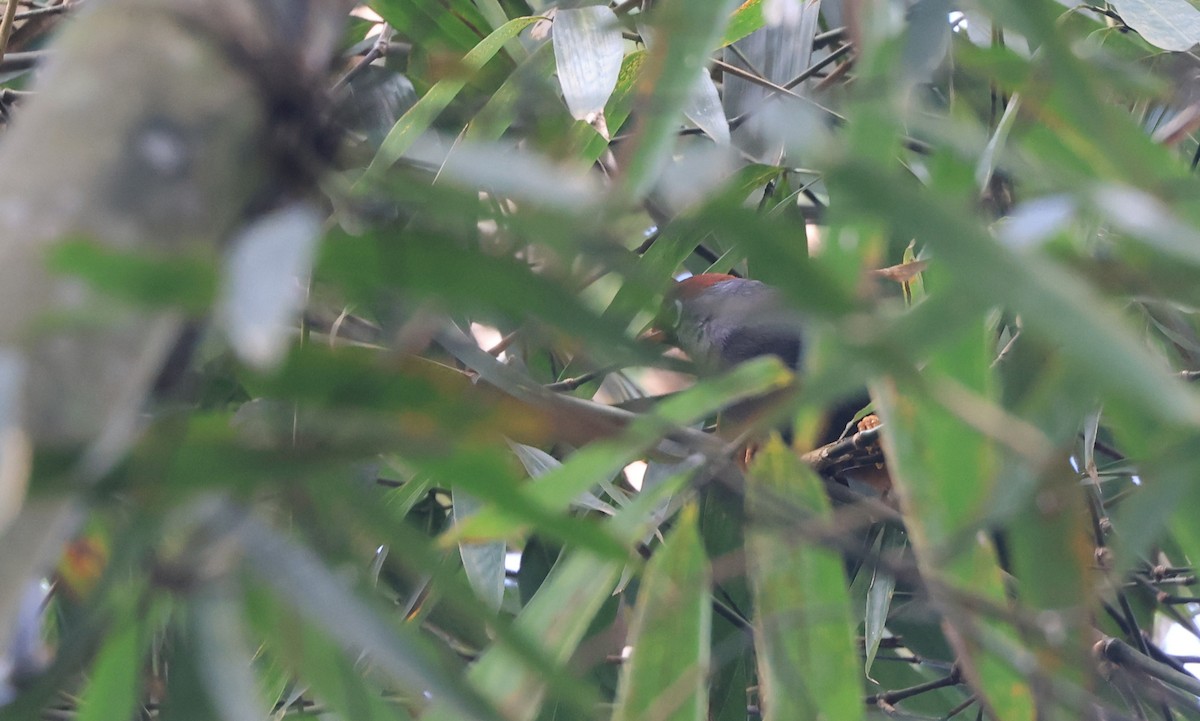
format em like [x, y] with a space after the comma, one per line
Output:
[828, 37]
[378, 50]
[756, 79]
[625, 6]
[6, 25]
[570, 384]
[1164, 597]
[959, 708]
[889, 698]
[52, 10]
[1126, 656]
[503, 345]
[13, 62]
[833, 454]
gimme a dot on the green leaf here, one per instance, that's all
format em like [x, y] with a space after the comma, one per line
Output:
[317, 660]
[453, 24]
[588, 50]
[420, 116]
[139, 277]
[223, 656]
[930, 451]
[807, 655]
[1089, 330]
[556, 619]
[1168, 24]
[879, 594]
[745, 20]
[483, 562]
[305, 583]
[689, 30]
[620, 104]
[664, 677]
[559, 614]
[114, 688]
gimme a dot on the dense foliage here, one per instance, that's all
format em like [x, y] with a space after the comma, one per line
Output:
[451, 480]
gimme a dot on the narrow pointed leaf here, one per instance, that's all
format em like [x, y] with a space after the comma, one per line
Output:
[666, 84]
[1168, 24]
[879, 597]
[224, 658]
[558, 615]
[482, 562]
[746, 19]
[115, 683]
[448, 23]
[930, 450]
[807, 655]
[419, 117]
[266, 275]
[706, 111]
[588, 49]
[316, 593]
[326, 671]
[665, 676]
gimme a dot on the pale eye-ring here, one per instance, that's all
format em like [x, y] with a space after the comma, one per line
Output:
[676, 313]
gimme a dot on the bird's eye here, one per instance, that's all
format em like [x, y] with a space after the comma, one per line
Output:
[675, 315]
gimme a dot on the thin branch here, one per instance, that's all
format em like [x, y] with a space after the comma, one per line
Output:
[959, 708]
[889, 698]
[756, 79]
[1126, 656]
[13, 62]
[6, 25]
[828, 37]
[570, 384]
[504, 344]
[52, 10]
[378, 50]
[836, 453]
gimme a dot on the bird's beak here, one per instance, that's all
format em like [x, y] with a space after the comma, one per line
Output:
[653, 335]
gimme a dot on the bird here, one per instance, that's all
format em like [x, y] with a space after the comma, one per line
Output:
[721, 320]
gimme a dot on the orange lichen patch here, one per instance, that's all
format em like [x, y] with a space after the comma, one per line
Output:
[82, 564]
[868, 422]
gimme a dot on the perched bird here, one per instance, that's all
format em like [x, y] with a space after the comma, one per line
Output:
[721, 320]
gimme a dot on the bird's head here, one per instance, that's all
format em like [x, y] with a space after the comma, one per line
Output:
[721, 320]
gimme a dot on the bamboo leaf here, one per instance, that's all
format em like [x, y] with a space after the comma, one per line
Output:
[588, 50]
[315, 592]
[559, 614]
[482, 562]
[666, 86]
[664, 677]
[265, 281]
[879, 595]
[1168, 24]
[929, 451]
[807, 655]
[224, 658]
[420, 116]
[115, 683]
